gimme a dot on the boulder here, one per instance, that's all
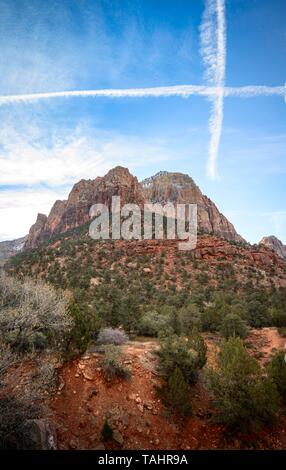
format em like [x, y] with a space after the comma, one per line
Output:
[39, 434]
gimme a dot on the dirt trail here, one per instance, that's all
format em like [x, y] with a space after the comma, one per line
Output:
[265, 342]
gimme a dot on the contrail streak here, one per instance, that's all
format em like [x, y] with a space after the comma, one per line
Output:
[213, 49]
[177, 90]
[181, 90]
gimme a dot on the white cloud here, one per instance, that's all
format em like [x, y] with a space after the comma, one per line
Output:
[18, 209]
[44, 169]
[26, 159]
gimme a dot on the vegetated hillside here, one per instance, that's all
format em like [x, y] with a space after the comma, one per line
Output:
[119, 281]
[74, 260]
[152, 394]
[212, 316]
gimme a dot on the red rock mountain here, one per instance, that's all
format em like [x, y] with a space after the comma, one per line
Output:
[163, 187]
[74, 211]
[179, 188]
[274, 244]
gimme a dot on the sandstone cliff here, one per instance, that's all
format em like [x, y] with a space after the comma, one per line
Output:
[74, 211]
[274, 244]
[179, 188]
[163, 187]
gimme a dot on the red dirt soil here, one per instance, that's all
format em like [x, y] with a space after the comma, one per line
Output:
[86, 398]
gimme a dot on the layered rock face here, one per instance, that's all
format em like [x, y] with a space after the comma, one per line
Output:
[36, 231]
[162, 188]
[179, 188]
[274, 244]
[74, 211]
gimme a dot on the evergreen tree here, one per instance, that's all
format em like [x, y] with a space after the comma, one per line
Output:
[277, 372]
[175, 392]
[244, 398]
[232, 325]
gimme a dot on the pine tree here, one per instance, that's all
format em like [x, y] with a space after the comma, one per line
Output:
[277, 372]
[176, 392]
[243, 397]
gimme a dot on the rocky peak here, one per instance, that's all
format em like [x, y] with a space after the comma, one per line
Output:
[180, 188]
[274, 244]
[83, 191]
[120, 182]
[163, 187]
[74, 211]
[119, 175]
[36, 231]
[169, 187]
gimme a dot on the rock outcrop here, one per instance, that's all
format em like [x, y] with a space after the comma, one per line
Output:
[163, 187]
[179, 188]
[36, 231]
[40, 434]
[274, 244]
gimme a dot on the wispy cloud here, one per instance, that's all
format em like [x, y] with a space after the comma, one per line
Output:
[60, 45]
[37, 169]
[97, 50]
[28, 157]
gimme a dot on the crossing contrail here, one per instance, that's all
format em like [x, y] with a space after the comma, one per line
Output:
[177, 90]
[213, 51]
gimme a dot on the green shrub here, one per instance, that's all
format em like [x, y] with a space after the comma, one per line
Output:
[111, 363]
[183, 352]
[152, 324]
[211, 318]
[257, 314]
[277, 372]
[189, 318]
[85, 328]
[278, 317]
[232, 325]
[175, 392]
[282, 331]
[198, 344]
[244, 399]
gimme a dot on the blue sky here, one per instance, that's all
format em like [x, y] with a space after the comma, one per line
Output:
[46, 146]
